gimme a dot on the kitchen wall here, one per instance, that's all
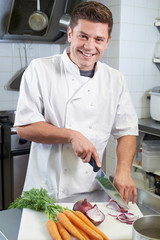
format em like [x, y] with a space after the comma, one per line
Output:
[131, 51]
[12, 59]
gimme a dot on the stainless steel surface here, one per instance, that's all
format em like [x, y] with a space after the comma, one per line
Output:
[38, 20]
[110, 189]
[149, 200]
[64, 22]
[18, 143]
[15, 15]
[148, 125]
[14, 159]
[146, 228]
[1, 201]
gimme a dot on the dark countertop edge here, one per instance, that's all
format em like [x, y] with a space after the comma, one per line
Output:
[150, 126]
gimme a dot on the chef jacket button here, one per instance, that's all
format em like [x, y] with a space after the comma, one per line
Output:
[90, 127]
[72, 79]
[92, 105]
[65, 170]
[89, 90]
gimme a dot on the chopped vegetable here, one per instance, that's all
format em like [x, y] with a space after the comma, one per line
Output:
[53, 230]
[90, 224]
[95, 215]
[82, 206]
[123, 215]
[63, 232]
[82, 225]
[65, 221]
[115, 206]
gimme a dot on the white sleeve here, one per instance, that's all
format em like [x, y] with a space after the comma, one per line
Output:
[126, 121]
[30, 103]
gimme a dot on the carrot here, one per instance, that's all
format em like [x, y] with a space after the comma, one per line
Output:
[53, 230]
[90, 224]
[64, 220]
[63, 232]
[83, 233]
[82, 225]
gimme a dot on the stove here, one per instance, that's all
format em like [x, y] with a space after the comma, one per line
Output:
[14, 153]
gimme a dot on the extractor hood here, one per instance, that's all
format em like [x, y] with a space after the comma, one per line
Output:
[14, 16]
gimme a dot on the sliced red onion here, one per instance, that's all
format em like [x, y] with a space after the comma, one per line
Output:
[114, 206]
[124, 216]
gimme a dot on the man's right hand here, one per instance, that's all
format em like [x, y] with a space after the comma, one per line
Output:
[83, 148]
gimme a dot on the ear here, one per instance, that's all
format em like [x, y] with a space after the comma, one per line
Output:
[69, 34]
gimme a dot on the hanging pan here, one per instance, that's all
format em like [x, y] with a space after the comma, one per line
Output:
[38, 20]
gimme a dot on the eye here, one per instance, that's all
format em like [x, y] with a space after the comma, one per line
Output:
[83, 36]
[99, 40]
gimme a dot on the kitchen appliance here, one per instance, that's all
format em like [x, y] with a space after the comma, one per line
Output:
[147, 228]
[1, 202]
[14, 20]
[14, 158]
[107, 185]
[154, 103]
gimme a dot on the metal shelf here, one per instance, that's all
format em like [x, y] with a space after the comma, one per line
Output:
[156, 60]
[150, 126]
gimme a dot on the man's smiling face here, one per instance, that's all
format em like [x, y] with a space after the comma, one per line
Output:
[88, 40]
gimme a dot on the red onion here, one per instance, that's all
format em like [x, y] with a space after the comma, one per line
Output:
[124, 216]
[95, 215]
[82, 206]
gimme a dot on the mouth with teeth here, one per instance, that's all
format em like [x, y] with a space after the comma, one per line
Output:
[87, 54]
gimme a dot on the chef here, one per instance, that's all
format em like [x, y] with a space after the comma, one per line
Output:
[70, 104]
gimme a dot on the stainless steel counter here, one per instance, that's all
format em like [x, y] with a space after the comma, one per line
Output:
[149, 204]
[150, 126]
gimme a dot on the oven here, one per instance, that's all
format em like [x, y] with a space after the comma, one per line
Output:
[14, 158]
[1, 203]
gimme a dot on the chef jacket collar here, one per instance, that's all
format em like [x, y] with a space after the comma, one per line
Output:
[72, 67]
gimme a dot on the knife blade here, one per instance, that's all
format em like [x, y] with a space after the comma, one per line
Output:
[107, 185]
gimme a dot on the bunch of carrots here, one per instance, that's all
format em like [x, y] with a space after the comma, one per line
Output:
[62, 222]
[76, 224]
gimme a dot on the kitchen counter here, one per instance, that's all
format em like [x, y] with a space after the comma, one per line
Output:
[148, 203]
[148, 125]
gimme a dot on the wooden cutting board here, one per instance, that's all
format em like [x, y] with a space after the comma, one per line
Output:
[33, 224]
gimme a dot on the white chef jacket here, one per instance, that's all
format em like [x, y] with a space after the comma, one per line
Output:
[53, 91]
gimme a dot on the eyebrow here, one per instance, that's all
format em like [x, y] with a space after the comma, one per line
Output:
[101, 37]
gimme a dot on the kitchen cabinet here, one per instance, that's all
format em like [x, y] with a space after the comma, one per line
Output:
[142, 178]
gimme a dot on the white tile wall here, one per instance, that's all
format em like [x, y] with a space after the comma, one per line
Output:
[12, 59]
[131, 51]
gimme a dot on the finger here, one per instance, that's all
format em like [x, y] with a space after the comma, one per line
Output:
[127, 194]
[87, 158]
[83, 155]
[121, 191]
[134, 195]
[96, 158]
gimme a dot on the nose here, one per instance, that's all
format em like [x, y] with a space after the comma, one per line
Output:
[89, 43]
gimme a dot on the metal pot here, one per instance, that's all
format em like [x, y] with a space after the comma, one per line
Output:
[155, 102]
[38, 20]
[147, 228]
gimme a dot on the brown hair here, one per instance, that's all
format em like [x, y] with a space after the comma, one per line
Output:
[92, 11]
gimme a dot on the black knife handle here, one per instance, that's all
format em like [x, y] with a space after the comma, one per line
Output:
[93, 163]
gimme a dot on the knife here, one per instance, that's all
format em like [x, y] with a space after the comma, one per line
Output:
[107, 185]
